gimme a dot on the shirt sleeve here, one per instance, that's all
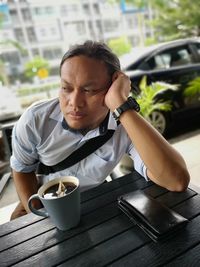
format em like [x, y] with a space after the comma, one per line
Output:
[138, 162]
[24, 144]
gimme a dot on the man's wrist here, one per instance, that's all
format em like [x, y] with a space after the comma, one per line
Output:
[130, 103]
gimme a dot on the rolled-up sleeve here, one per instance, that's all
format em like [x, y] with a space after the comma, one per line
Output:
[138, 162]
[24, 142]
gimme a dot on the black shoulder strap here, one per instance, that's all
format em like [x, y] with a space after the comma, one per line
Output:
[89, 147]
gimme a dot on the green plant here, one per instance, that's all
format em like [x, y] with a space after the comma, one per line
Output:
[193, 88]
[33, 67]
[24, 91]
[155, 111]
[120, 45]
[147, 94]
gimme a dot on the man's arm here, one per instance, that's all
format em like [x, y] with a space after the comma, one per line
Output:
[26, 185]
[165, 166]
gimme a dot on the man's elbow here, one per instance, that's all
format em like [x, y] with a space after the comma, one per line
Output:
[182, 177]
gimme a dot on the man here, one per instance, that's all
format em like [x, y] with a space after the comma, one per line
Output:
[92, 88]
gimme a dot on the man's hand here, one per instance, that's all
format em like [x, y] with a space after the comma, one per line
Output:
[118, 92]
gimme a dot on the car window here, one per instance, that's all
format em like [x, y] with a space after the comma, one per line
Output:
[198, 48]
[170, 58]
[180, 57]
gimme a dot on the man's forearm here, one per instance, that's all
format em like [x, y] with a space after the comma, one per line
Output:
[165, 165]
[26, 185]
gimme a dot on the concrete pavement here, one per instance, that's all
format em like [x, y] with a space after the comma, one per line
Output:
[189, 147]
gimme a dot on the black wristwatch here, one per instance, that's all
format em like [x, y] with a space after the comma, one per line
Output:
[131, 103]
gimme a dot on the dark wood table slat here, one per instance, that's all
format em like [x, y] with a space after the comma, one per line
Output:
[163, 251]
[90, 194]
[107, 187]
[155, 190]
[54, 237]
[104, 236]
[189, 209]
[171, 198]
[192, 259]
[79, 243]
[103, 253]
[19, 223]
[42, 243]
[107, 198]
[87, 207]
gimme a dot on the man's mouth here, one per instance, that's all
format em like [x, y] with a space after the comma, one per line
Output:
[76, 115]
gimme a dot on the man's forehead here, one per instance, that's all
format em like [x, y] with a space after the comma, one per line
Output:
[83, 60]
[89, 82]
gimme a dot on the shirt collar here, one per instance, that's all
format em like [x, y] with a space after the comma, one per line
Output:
[108, 124]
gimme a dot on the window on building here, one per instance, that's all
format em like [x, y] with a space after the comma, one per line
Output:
[14, 17]
[99, 26]
[49, 10]
[52, 53]
[58, 53]
[86, 9]
[31, 34]
[35, 52]
[43, 31]
[47, 53]
[11, 57]
[96, 8]
[53, 31]
[38, 11]
[26, 14]
[73, 8]
[63, 10]
[19, 35]
[80, 26]
[111, 25]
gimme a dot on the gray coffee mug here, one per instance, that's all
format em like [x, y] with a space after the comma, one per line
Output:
[64, 211]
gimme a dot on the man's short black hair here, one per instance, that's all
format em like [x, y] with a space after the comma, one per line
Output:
[96, 50]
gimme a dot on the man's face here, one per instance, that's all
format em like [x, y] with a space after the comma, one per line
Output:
[84, 83]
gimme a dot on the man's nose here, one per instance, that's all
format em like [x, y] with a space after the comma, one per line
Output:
[76, 99]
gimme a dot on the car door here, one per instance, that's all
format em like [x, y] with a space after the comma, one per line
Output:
[177, 65]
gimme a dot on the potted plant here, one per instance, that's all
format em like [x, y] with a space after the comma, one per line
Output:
[152, 106]
[192, 91]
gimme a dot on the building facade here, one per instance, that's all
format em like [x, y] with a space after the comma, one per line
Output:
[49, 28]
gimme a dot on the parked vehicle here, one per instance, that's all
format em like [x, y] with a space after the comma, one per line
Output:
[176, 62]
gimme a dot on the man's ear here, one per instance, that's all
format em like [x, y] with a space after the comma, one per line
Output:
[114, 77]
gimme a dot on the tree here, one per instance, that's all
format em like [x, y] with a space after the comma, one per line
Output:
[36, 67]
[8, 42]
[176, 18]
[120, 45]
[3, 75]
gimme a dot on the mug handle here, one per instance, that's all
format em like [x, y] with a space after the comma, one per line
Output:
[37, 212]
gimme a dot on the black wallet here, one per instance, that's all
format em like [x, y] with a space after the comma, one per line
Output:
[155, 219]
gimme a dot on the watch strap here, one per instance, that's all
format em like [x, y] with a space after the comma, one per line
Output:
[131, 103]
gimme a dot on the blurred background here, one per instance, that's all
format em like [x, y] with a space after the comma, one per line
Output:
[145, 34]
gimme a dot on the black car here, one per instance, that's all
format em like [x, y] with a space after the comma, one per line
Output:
[175, 62]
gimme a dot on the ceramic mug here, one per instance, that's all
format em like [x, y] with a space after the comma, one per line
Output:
[64, 211]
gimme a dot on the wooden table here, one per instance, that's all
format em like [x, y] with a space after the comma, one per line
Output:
[105, 236]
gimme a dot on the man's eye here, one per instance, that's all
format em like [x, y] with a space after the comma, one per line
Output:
[66, 89]
[90, 91]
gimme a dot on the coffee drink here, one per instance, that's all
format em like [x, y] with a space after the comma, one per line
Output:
[59, 190]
